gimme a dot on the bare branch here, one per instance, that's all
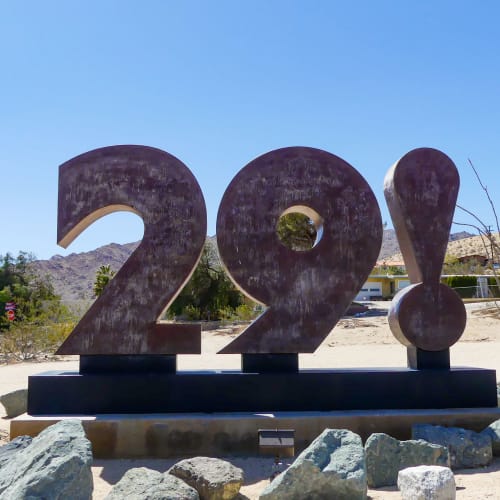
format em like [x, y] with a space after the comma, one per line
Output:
[475, 217]
[485, 189]
[477, 228]
[491, 247]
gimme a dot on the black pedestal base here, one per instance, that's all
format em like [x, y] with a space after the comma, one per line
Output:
[269, 363]
[418, 359]
[72, 393]
[150, 363]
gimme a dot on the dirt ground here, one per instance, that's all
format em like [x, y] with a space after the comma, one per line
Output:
[476, 484]
[354, 342]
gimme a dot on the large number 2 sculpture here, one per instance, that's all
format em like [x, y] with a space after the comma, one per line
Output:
[306, 292]
[162, 191]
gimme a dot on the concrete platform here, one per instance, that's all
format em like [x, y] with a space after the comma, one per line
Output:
[190, 434]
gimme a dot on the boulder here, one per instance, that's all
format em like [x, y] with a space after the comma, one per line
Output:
[427, 482]
[146, 484]
[15, 403]
[55, 465]
[212, 478]
[7, 451]
[386, 456]
[467, 449]
[333, 466]
[493, 431]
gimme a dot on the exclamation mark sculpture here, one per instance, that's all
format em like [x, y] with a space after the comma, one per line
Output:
[427, 317]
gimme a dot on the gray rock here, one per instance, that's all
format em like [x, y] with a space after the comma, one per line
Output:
[333, 466]
[493, 431]
[212, 478]
[15, 403]
[55, 466]
[386, 456]
[146, 484]
[427, 482]
[7, 451]
[467, 449]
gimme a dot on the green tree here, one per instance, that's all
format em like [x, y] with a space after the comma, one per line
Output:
[33, 295]
[41, 320]
[209, 294]
[296, 231]
[102, 278]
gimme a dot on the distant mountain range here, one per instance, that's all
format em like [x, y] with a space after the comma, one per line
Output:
[73, 276]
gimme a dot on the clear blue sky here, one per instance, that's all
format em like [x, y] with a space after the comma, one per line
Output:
[217, 83]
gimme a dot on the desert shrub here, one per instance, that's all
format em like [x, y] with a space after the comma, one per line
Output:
[26, 340]
[226, 313]
[245, 313]
[452, 265]
[191, 313]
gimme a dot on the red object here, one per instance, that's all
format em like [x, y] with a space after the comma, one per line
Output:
[11, 315]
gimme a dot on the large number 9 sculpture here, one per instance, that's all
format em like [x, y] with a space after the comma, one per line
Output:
[306, 291]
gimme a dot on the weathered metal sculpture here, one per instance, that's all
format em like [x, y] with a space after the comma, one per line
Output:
[306, 292]
[421, 191]
[161, 190]
[127, 357]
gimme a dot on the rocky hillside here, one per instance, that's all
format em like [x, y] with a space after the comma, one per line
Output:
[473, 245]
[460, 236]
[462, 247]
[389, 244]
[73, 276]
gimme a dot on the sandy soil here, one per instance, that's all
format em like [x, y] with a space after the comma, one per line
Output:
[477, 484]
[355, 342]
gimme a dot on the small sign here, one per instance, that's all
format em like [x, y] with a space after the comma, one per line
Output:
[277, 442]
[10, 306]
[11, 315]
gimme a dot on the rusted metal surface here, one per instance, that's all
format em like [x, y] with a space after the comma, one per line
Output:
[307, 292]
[162, 191]
[421, 191]
[430, 317]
